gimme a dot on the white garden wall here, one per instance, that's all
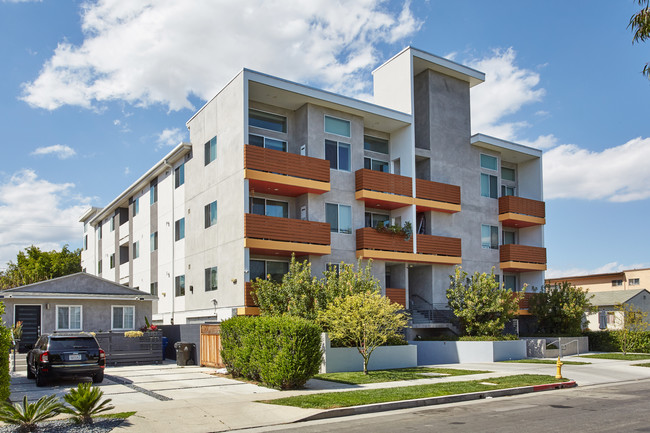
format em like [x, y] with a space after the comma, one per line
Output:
[452, 352]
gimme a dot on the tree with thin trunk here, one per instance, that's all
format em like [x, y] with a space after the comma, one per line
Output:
[640, 25]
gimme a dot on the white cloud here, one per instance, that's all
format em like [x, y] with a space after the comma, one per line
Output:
[506, 89]
[163, 51]
[617, 174]
[604, 269]
[36, 211]
[170, 137]
[60, 150]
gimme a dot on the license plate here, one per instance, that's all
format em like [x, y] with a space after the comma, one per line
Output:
[74, 357]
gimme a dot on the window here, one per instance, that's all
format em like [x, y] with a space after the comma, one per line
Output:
[372, 219]
[85, 227]
[266, 142]
[112, 260]
[263, 268]
[338, 154]
[136, 206]
[68, 318]
[508, 174]
[123, 317]
[611, 318]
[210, 151]
[617, 282]
[634, 281]
[99, 232]
[375, 144]
[153, 192]
[489, 236]
[488, 185]
[489, 162]
[211, 279]
[337, 126]
[510, 282]
[507, 190]
[85, 242]
[153, 288]
[210, 214]
[508, 237]
[274, 208]
[339, 217]
[112, 223]
[179, 229]
[136, 249]
[375, 164]
[99, 267]
[179, 286]
[272, 122]
[153, 241]
[179, 175]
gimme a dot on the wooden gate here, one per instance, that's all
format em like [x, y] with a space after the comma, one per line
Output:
[211, 346]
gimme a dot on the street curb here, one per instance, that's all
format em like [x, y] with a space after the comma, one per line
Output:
[431, 401]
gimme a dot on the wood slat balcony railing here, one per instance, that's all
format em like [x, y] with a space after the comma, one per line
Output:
[286, 230]
[370, 239]
[523, 206]
[522, 253]
[249, 300]
[524, 302]
[398, 296]
[437, 191]
[388, 183]
[439, 245]
[285, 163]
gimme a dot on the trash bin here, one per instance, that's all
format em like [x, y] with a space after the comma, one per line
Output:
[165, 342]
[184, 353]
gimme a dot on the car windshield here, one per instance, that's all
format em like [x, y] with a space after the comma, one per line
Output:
[73, 343]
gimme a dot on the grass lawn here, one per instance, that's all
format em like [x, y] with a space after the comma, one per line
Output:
[619, 356]
[547, 361]
[376, 376]
[645, 364]
[332, 400]
[116, 415]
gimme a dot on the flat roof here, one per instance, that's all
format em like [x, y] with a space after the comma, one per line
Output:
[514, 152]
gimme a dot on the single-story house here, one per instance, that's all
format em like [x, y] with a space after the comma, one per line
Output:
[77, 302]
[604, 314]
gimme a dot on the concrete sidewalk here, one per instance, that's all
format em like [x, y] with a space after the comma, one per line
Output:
[193, 398]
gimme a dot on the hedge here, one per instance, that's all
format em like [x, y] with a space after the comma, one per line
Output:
[279, 351]
[5, 347]
[610, 341]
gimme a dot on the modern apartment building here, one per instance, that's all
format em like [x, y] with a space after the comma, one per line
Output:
[274, 167]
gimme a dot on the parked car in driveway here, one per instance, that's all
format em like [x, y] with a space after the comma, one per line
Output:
[65, 355]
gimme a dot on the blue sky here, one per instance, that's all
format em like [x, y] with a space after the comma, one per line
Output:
[94, 93]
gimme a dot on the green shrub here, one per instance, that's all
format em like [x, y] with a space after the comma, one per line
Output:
[610, 341]
[503, 337]
[5, 347]
[85, 402]
[28, 414]
[280, 351]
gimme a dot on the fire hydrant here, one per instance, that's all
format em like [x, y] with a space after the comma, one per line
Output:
[559, 365]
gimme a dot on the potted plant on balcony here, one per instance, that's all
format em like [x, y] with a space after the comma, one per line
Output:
[405, 230]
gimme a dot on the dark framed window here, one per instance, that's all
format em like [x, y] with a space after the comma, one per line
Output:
[179, 285]
[264, 120]
[179, 175]
[210, 214]
[179, 229]
[211, 279]
[210, 150]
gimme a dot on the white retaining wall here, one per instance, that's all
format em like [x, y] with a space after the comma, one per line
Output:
[451, 352]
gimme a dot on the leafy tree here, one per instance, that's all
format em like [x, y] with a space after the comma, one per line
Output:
[86, 401]
[482, 305]
[560, 308]
[34, 265]
[640, 24]
[346, 280]
[367, 319]
[28, 414]
[633, 321]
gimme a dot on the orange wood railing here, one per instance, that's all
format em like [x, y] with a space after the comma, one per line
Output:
[437, 191]
[383, 182]
[522, 253]
[523, 206]
[290, 164]
[286, 229]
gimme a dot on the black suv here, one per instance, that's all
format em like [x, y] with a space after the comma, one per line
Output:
[59, 355]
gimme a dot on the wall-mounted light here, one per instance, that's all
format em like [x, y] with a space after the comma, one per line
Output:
[164, 293]
[234, 280]
[47, 306]
[192, 289]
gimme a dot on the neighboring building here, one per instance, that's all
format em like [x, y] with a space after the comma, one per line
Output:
[75, 303]
[604, 313]
[633, 279]
[276, 168]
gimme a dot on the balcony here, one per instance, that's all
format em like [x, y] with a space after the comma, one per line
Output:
[281, 173]
[397, 296]
[521, 212]
[439, 249]
[522, 258]
[250, 307]
[524, 303]
[436, 196]
[383, 190]
[372, 244]
[284, 236]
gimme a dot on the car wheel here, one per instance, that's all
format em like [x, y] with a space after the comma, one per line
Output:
[99, 377]
[40, 380]
[30, 373]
